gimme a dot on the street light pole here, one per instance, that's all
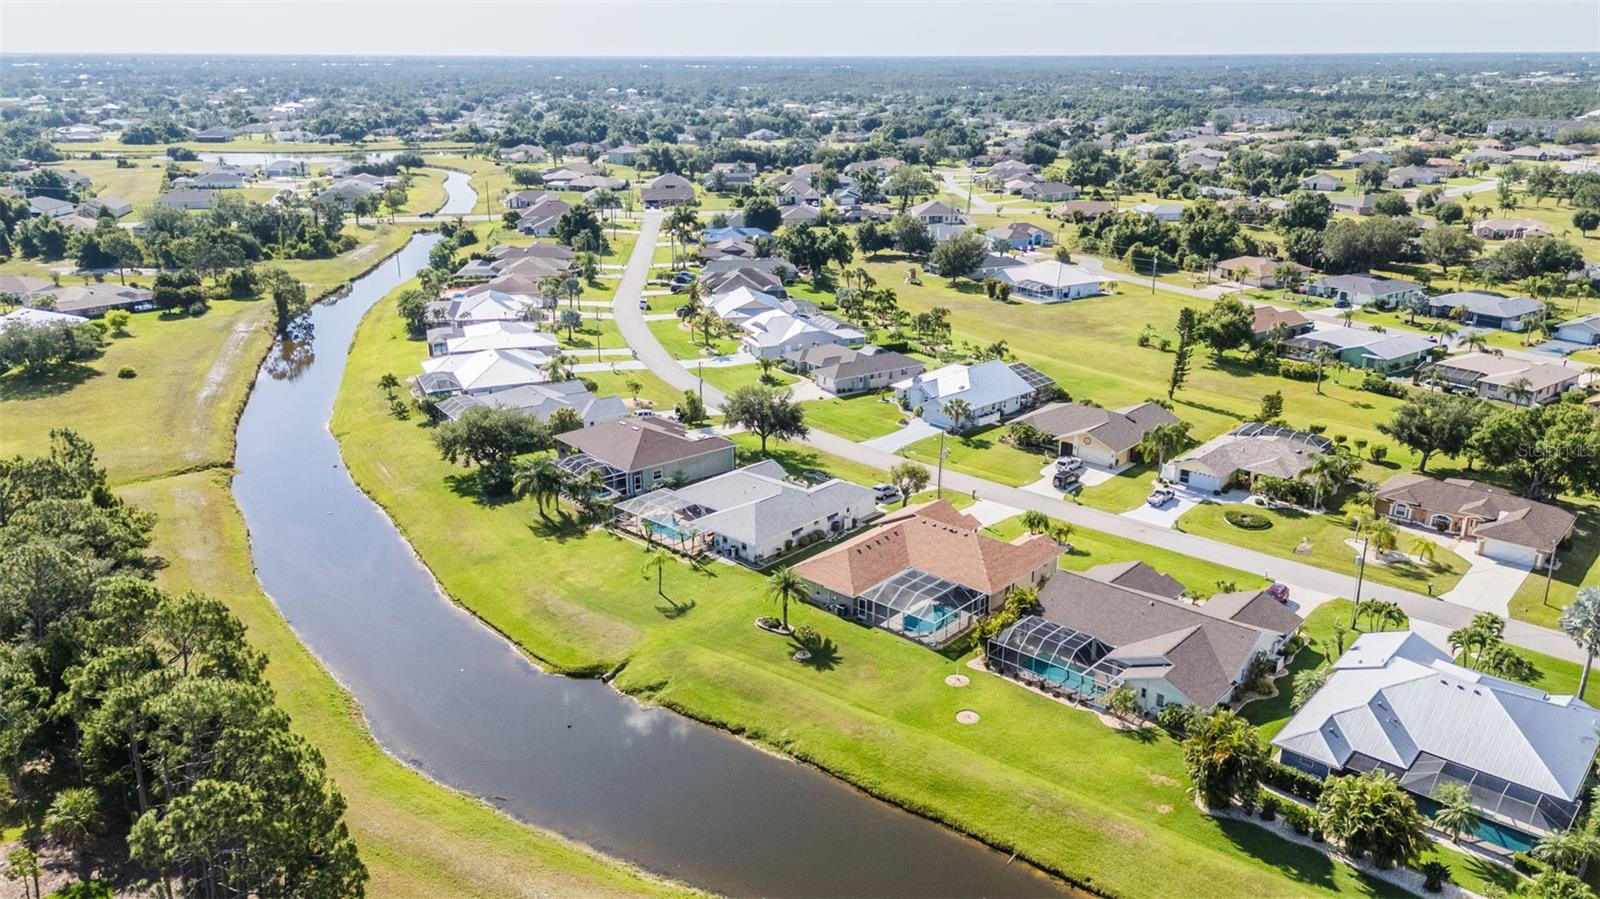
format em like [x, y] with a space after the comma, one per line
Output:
[1361, 571]
[939, 484]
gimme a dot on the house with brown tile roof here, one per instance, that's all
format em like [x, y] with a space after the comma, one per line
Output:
[925, 573]
[1256, 271]
[1504, 526]
[638, 454]
[1265, 318]
[1104, 437]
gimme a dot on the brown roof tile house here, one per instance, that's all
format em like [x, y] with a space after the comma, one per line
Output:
[638, 454]
[1505, 527]
[925, 573]
[1104, 437]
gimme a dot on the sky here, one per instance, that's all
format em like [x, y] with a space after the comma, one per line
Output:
[762, 28]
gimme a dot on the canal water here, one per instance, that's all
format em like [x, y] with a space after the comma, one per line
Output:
[451, 697]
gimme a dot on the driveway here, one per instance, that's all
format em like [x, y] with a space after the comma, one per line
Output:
[897, 440]
[1167, 516]
[1488, 586]
[989, 513]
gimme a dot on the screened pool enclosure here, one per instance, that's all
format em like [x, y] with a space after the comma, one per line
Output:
[662, 516]
[1040, 652]
[924, 607]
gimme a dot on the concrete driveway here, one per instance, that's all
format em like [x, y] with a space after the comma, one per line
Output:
[1167, 516]
[898, 440]
[1488, 586]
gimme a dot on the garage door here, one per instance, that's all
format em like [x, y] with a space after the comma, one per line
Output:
[1510, 553]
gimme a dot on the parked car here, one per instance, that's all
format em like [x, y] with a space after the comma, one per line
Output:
[644, 413]
[886, 493]
[683, 278]
[644, 304]
[1160, 497]
[1280, 592]
[1069, 463]
[424, 215]
[683, 311]
[1065, 479]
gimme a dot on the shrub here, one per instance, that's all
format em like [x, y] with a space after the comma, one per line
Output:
[1376, 383]
[198, 308]
[126, 372]
[1177, 719]
[1378, 453]
[1527, 864]
[1297, 370]
[1248, 521]
[1268, 805]
[1292, 781]
[807, 636]
[1301, 820]
[1435, 874]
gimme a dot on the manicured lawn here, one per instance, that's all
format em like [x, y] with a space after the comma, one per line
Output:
[1049, 782]
[683, 344]
[798, 459]
[1326, 534]
[857, 418]
[139, 185]
[601, 332]
[653, 391]
[981, 453]
[1126, 490]
[729, 378]
[1580, 567]
[426, 193]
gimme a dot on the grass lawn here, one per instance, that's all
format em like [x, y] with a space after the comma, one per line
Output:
[653, 391]
[797, 459]
[1049, 782]
[426, 193]
[1126, 490]
[139, 185]
[857, 418]
[728, 378]
[981, 453]
[601, 332]
[1326, 533]
[683, 344]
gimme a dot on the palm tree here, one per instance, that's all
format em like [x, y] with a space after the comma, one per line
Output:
[1456, 814]
[1122, 702]
[1306, 684]
[1036, 522]
[708, 323]
[1162, 441]
[959, 414]
[1476, 340]
[784, 585]
[1322, 356]
[74, 815]
[1225, 758]
[1581, 621]
[555, 368]
[655, 557]
[1383, 535]
[1520, 390]
[1327, 473]
[540, 479]
[1425, 550]
[1383, 614]
[1568, 850]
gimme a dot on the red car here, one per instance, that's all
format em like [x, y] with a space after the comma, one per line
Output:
[1280, 592]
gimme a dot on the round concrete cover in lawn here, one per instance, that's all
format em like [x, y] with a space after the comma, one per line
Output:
[966, 716]
[956, 680]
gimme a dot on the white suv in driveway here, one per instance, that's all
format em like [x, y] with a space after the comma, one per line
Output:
[886, 493]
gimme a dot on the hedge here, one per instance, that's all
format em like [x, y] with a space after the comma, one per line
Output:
[1292, 781]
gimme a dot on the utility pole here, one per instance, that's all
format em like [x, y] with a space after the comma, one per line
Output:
[1549, 575]
[597, 353]
[702, 372]
[1155, 263]
[1361, 571]
[939, 484]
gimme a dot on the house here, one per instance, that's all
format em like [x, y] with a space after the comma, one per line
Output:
[798, 192]
[754, 514]
[526, 198]
[1083, 210]
[1357, 160]
[1397, 703]
[540, 219]
[990, 390]
[184, 199]
[468, 336]
[1484, 309]
[1104, 437]
[883, 165]
[925, 572]
[1361, 204]
[1201, 160]
[937, 212]
[843, 371]
[777, 332]
[1487, 156]
[541, 401]
[116, 206]
[742, 303]
[758, 280]
[1377, 351]
[34, 318]
[1585, 329]
[526, 153]
[1048, 191]
[1364, 290]
[1161, 212]
[1505, 378]
[484, 303]
[346, 192]
[79, 134]
[1049, 281]
[92, 300]
[1505, 527]
[727, 175]
[1266, 319]
[763, 134]
[23, 286]
[634, 455]
[1138, 576]
[1256, 271]
[667, 190]
[1019, 236]
[213, 136]
[483, 372]
[50, 207]
[1412, 175]
[1509, 229]
[1092, 635]
[1320, 181]
[1243, 454]
[800, 215]
[626, 154]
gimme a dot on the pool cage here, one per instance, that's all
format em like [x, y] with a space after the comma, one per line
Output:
[1497, 797]
[664, 517]
[614, 480]
[922, 607]
[1041, 653]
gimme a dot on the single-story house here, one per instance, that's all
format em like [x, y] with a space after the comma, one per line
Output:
[483, 372]
[524, 153]
[1358, 205]
[626, 154]
[1584, 329]
[1485, 309]
[1083, 209]
[776, 332]
[1048, 191]
[1397, 703]
[753, 514]
[1091, 636]
[843, 371]
[1360, 348]
[634, 455]
[50, 207]
[213, 179]
[1161, 212]
[283, 168]
[1506, 378]
[667, 190]
[30, 317]
[468, 336]
[540, 218]
[1019, 236]
[724, 175]
[541, 401]
[1244, 453]
[94, 300]
[925, 573]
[23, 286]
[1487, 156]
[991, 391]
[1410, 175]
[937, 212]
[185, 199]
[522, 199]
[1357, 160]
[1506, 527]
[1320, 181]
[213, 135]
[1267, 318]
[1105, 437]
[1509, 229]
[799, 192]
[1257, 271]
[1049, 281]
[116, 206]
[1362, 290]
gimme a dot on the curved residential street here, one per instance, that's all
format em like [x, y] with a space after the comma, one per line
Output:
[1308, 583]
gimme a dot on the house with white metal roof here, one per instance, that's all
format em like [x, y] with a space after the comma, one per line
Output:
[1397, 703]
[991, 391]
[473, 336]
[483, 372]
[1049, 281]
[775, 333]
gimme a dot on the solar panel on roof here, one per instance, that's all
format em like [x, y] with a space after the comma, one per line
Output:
[1034, 377]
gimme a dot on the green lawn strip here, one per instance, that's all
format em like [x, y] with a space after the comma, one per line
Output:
[1326, 533]
[681, 343]
[856, 418]
[1091, 547]
[981, 453]
[798, 459]
[1126, 490]
[1048, 781]
[595, 331]
[729, 378]
[139, 183]
[1580, 567]
[416, 837]
[426, 194]
[653, 391]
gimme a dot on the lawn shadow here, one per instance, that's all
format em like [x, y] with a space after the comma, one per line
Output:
[824, 653]
[672, 611]
[561, 528]
[1145, 735]
[53, 381]
[1300, 863]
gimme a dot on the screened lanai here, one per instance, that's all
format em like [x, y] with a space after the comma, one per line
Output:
[1500, 798]
[925, 607]
[1036, 649]
[665, 517]
[577, 465]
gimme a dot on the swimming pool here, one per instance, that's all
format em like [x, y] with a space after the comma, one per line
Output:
[1073, 680]
[1491, 832]
[935, 618]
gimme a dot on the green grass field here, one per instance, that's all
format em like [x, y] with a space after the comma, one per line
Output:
[857, 418]
[1051, 783]
[683, 344]
[983, 454]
